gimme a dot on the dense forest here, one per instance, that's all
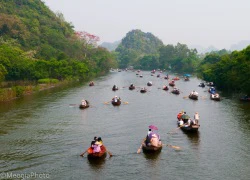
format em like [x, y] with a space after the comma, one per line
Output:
[145, 51]
[229, 71]
[36, 43]
[135, 45]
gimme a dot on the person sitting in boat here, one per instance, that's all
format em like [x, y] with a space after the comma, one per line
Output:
[148, 137]
[115, 99]
[179, 115]
[115, 87]
[94, 141]
[99, 141]
[181, 122]
[155, 140]
[131, 85]
[189, 122]
[84, 103]
[97, 145]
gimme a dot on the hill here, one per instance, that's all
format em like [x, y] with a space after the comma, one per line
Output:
[136, 44]
[110, 46]
[36, 43]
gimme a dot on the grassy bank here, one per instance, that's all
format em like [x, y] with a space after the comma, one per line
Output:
[16, 91]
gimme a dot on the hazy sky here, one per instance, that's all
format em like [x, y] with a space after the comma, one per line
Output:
[220, 23]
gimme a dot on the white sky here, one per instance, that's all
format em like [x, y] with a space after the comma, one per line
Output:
[220, 23]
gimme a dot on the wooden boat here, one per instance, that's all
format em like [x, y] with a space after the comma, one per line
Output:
[131, 87]
[210, 84]
[116, 103]
[158, 75]
[115, 88]
[215, 97]
[84, 106]
[202, 85]
[176, 78]
[100, 155]
[186, 79]
[141, 76]
[166, 77]
[193, 96]
[149, 83]
[192, 128]
[175, 91]
[211, 90]
[143, 90]
[186, 128]
[172, 84]
[165, 88]
[151, 149]
[91, 84]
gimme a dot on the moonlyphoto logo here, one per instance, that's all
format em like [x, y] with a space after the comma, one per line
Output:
[23, 176]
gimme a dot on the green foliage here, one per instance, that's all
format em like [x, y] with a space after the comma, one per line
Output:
[228, 71]
[19, 90]
[178, 58]
[48, 81]
[36, 44]
[135, 45]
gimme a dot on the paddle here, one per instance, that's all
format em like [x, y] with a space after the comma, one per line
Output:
[139, 150]
[107, 102]
[109, 153]
[82, 154]
[125, 102]
[174, 147]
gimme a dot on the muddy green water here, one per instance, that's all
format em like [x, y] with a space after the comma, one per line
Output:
[43, 133]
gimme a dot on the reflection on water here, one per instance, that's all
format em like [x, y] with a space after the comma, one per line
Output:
[194, 138]
[152, 156]
[96, 164]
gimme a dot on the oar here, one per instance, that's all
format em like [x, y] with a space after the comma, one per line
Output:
[139, 150]
[170, 132]
[73, 104]
[82, 154]
[174, 147]
[107, 102]
[125, 102]
[109, 153]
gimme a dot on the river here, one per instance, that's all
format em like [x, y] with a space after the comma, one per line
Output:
[44, 133]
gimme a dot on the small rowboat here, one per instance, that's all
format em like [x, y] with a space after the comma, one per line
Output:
[176, 78]
[186, 79]
[84, 106]
[165, 88]
[91, 84]
[100, 155]
[151, 149]
[175, 91]
[215, 97]
[193, 96]
[192, 128]
[116, 103]
[131, 87]
[149, 83]
[115, 88]
[172, 84]
[143, 90]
